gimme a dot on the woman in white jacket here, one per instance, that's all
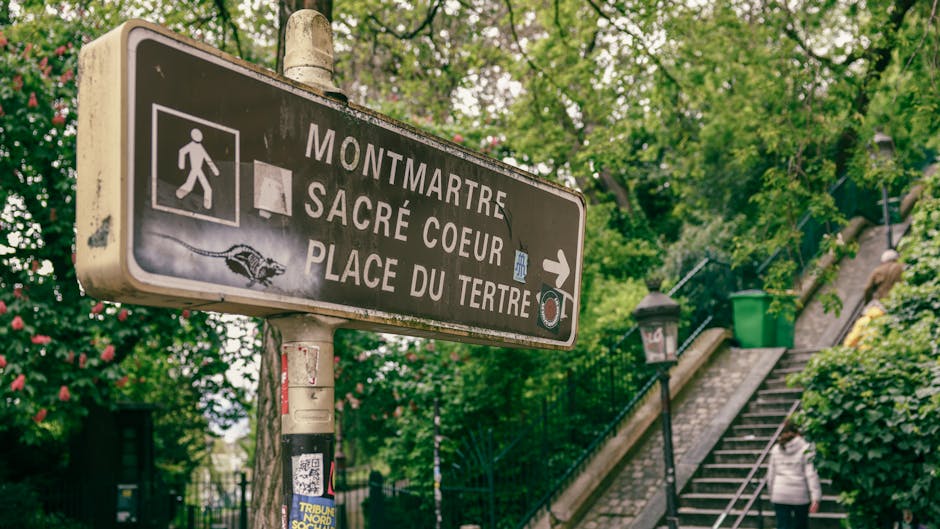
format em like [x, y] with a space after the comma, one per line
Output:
[792, 480]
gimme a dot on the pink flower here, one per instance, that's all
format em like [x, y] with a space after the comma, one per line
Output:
[41, 339]
[97, 308]
[3, 361]
[17, 323]
[82, 360]
[458, 138]
[19, 383]
[60, 50]
[108, 354]
[3, 40]
[43, 63]
[121, 382]
[1, 111]
[17, 82]
[186, 313]
[33, 103]
[122, 316]
[64, 394]
[71, 357]
[58, 119]
[3, 307]
[40, 415]
[18, 292]
[67, 76]
[35, 265]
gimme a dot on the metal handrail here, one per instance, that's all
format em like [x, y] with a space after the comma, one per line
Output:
[750, 477]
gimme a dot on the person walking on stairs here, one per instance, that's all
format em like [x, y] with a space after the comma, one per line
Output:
[792, 479]
[883, 277]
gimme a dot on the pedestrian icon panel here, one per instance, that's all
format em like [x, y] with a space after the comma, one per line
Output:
[195, 170]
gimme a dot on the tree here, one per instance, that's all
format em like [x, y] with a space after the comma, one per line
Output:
[65, 352]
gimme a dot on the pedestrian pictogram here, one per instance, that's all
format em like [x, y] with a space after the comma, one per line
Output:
[195, 166]
[196, 156]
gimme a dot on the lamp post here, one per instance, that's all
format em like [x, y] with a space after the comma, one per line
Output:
[885, 153]
[657, 316]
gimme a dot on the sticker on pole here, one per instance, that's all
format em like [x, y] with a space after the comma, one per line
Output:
[312, 513]
[308, 474]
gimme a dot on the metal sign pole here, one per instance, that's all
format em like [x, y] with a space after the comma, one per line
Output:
[308, 426]
[308, 433]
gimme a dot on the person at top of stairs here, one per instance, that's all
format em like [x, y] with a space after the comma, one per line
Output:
[879, 284]
[794, 485]
[884, 276]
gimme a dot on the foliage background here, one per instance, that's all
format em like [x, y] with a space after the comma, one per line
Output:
[693, 129]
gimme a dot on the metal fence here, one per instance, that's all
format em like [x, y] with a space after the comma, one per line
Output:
[364, 499]
[213, 502]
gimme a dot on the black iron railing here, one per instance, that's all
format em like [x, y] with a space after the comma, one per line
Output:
[213, 502]
[505, 487]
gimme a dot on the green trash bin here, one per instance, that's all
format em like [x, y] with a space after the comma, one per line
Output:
[753, 327]
[785, 318]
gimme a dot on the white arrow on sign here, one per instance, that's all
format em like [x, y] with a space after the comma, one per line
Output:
[559, 267]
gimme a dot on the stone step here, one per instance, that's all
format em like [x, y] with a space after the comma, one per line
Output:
[756, 430]
[785, 371]
[691, 517]
[780, 393]
[706, 484]
[720, 501]
[746, 442]
[725, 485]
[766, 417]
[777, 383]
[767, 405]
[729, 470]
[796, 357]
[734, 456]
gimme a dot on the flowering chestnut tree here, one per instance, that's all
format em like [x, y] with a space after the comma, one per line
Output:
[62, 352]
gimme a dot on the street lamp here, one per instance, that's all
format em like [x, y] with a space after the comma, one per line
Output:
[884, 154]
[657, 316]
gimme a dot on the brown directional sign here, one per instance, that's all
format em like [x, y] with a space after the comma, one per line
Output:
[207, 182]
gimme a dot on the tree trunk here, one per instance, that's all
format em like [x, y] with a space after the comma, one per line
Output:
[266, 490]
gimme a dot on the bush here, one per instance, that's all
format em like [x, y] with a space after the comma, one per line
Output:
[21, 508]
[874, 411]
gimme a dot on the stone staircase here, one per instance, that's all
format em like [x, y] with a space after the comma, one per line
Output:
[715, 483]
